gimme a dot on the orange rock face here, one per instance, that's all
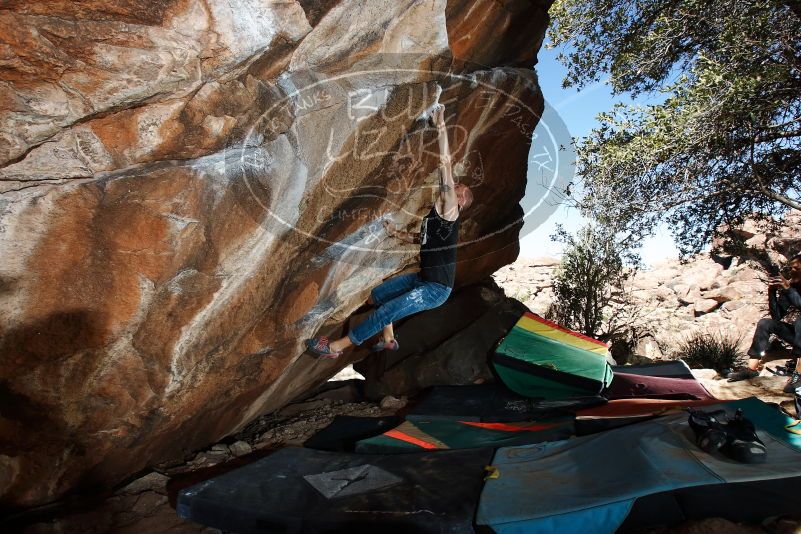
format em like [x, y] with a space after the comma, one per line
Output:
[188, 189]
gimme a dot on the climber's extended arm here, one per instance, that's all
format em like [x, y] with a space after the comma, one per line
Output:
[447, 201]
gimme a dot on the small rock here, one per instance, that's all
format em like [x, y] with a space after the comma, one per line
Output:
[209, 458]
[220, 447]
[758, 241]
[240, 448]
[732, 305]
[705, 305]
[706, 374]
[149, 482]
[724, 294]
[647, 348]
[294, 409]
[689, 295]
[393, 403]
[639, 359]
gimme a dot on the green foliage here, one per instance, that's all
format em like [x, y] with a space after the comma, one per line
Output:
[725, 140]
[709, 351]
[592, 273]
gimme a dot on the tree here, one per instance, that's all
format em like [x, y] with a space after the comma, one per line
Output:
[591, 276]
[725, 142]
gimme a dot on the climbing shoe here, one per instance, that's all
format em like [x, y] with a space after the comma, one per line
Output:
[319, 346]
[743, 374]
[735, 438]
[792, 383]
[708, 429]
[383, 345]
[742, 443]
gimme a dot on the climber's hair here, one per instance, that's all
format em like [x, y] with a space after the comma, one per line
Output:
[468, 194]
[797, 257]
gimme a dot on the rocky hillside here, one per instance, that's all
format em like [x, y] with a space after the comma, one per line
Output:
[190, 188]
[674, 300]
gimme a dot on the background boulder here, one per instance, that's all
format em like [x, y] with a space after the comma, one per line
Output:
[674, 300]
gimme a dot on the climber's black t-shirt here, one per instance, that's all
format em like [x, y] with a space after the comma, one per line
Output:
[438, 239]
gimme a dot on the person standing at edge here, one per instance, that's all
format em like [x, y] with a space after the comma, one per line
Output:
[411, 293]
[783, 295]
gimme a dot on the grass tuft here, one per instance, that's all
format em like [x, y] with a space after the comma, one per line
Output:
[709, 351]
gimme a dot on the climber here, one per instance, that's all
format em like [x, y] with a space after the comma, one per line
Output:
[411, 293]
[783, 294]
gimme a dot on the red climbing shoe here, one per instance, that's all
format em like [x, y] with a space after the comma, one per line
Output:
[383, 345]
[319, 346]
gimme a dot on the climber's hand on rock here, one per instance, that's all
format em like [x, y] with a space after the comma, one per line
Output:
[438, 116]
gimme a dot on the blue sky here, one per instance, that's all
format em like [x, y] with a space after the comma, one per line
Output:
[578, 110]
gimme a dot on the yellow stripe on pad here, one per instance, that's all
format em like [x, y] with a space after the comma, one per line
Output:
[539, 326]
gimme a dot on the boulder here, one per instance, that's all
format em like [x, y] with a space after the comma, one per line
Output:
[393, 403]
[724, 294]
[687, 295]
[240, 448]
[732, 305]
[787, 246]
[703, 272]
[649, 348]
[449, 345]
[758, 241]
[541, 302]
[189, 189]
[672, 300]
[664, 294]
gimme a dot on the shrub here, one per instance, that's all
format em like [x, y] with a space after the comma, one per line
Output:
[590, 277]
[709, 351]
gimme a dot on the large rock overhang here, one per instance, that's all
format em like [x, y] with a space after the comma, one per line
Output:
[188, 189]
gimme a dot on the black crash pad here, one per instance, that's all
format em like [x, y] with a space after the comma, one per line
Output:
[345, 430]
[490, 403]
[667, 369]
[298, 490]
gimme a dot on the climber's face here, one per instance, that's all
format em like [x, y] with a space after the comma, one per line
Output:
[795, 271]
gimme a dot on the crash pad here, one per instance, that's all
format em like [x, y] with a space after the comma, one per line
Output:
[551, 362]
[540, 487]
[345, 430]
[492, 402]
[443, 434]
[668, 369]
[628, 386]
[303, 490]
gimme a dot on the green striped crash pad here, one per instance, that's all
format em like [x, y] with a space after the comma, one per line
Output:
[538, 358]
[444, 434]
[594, 480]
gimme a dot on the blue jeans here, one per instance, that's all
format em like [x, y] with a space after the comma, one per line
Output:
[397, 298]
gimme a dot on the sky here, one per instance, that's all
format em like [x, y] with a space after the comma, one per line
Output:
[577, 109]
